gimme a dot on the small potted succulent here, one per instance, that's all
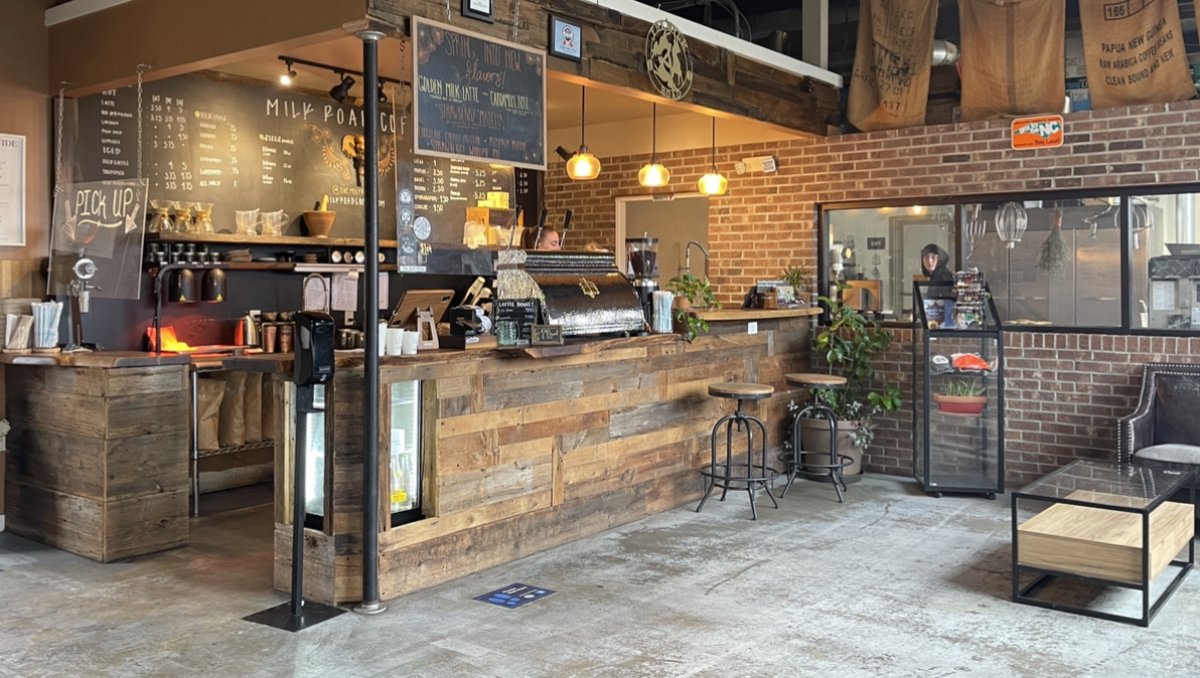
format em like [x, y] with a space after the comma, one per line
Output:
[960, 396]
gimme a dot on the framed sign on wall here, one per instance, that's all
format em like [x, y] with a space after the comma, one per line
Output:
[566, 39]
[12, 190]
[477, 9]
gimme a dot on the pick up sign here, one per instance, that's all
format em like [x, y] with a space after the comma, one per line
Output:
[1043, 131]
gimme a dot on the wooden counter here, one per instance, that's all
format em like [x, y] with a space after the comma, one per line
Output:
[749, 314]
[521, 455]
[97, 455]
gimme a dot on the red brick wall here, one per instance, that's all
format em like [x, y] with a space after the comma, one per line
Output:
[1064, 391]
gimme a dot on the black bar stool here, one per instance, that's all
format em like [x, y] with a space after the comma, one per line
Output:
[800, 460]
[738, 476]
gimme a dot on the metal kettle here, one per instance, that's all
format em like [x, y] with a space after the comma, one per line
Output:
[248, 333]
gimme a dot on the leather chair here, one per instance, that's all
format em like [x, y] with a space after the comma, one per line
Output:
[1164, 430]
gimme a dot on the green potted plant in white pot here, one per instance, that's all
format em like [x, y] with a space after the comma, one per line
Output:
[850, 344]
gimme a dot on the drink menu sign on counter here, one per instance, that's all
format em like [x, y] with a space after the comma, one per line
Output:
[478, 98]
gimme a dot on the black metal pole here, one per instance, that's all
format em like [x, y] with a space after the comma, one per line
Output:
[304, 401]
[370, 495]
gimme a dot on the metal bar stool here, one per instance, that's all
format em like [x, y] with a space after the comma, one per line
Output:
[738, 476]
[800, 460]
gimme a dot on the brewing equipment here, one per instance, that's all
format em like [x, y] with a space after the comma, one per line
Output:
[642, 269]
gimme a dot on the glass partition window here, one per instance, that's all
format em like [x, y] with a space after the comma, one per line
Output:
[876, 253]
[1110, 260]
[1049, 262]
[1165, 276]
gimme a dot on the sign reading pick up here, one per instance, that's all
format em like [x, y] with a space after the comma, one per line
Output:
[478, 98]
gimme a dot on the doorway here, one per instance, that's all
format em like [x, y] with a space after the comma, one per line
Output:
[675, 220]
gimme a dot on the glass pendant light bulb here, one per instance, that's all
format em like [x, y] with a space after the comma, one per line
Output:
[713, 183]
[583, 166]
[654, 174]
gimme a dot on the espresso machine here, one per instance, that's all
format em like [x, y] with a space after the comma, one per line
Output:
[642, 269]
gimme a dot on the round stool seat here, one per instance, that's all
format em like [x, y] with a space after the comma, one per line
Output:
[741, 391]
[814, 379]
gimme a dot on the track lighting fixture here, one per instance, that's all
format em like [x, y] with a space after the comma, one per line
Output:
[341, 90]
[289, 75]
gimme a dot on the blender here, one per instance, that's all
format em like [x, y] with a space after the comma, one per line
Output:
[642, 269]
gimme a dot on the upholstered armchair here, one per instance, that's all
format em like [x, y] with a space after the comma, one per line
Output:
[1165, 427]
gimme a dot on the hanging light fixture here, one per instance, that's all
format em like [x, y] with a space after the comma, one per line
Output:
[583, 166]
[289, 74]
[713, 183]
[654, 174]
[340, 91]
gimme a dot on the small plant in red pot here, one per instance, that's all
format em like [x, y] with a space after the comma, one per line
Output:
[961, 397]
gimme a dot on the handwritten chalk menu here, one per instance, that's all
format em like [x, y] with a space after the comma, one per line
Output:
[478, 98]
[240, 145]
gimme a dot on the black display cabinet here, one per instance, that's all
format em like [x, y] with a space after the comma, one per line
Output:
[958, 388]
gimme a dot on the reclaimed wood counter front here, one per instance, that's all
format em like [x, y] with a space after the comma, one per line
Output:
[525, 452]
[97, 460]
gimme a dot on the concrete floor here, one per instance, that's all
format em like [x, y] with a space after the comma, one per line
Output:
[892, 583]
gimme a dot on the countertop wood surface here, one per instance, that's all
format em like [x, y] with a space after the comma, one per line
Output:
[744, 314]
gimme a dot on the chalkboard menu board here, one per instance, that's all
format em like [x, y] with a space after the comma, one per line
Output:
[478, 98]
[245, 145]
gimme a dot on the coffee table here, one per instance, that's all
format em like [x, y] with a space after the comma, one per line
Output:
[1103, 523]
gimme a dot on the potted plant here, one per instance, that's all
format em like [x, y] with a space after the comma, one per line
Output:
[691, 293]
[850, 343]
[799, 277]
[960, 396]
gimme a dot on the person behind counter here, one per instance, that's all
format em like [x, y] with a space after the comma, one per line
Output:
[935, 263]
[550, 239]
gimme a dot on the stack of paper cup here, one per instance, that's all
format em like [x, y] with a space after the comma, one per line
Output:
[662, 301]
[394, 335]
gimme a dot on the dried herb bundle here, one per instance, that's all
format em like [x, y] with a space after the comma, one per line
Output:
[1053, 259]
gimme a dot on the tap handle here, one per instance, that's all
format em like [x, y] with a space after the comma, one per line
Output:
[566, 224]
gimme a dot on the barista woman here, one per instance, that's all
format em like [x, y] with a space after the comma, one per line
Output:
[548, 241]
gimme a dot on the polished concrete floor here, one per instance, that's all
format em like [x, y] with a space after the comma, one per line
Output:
[892, 583]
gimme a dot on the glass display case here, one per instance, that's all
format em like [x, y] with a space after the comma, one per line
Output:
[404, 452]
[958, 387]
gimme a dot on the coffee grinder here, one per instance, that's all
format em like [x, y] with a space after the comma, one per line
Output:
[642, 269]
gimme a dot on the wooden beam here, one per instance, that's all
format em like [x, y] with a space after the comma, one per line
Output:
[724, 82]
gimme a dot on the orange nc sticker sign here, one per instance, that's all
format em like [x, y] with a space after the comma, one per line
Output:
[1043, 131]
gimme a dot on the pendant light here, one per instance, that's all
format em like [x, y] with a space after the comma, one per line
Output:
[713, 183]
[653, 174]
[583, 166]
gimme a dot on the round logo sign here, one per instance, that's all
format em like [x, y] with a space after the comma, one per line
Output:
[667, 60]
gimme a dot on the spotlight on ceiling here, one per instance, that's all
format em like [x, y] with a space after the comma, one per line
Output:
[341, 90]
[289, 75]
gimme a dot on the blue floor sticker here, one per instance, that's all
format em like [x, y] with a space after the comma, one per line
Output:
[514, 595]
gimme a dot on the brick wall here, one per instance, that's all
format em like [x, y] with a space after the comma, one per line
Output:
[1064, 390]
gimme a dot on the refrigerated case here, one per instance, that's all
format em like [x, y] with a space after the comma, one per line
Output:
[404, 452]
[403, 476]
[958, 407]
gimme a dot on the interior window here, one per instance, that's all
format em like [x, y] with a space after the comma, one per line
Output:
[1165, 271]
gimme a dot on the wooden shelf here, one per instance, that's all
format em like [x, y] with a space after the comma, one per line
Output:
[234, 239]
[202, 453]
[756, 314]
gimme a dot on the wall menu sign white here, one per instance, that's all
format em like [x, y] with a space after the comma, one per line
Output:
[12, 190]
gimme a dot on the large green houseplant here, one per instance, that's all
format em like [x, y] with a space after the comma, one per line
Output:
[850, 344]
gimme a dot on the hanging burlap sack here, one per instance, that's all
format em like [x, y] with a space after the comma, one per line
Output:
[253, 405]
[1012, 57]
[1134, 53]
[233, 409]
[889, 86]
[211, 393]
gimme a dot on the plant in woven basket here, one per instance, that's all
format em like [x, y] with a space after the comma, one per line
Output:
[1053, 257]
